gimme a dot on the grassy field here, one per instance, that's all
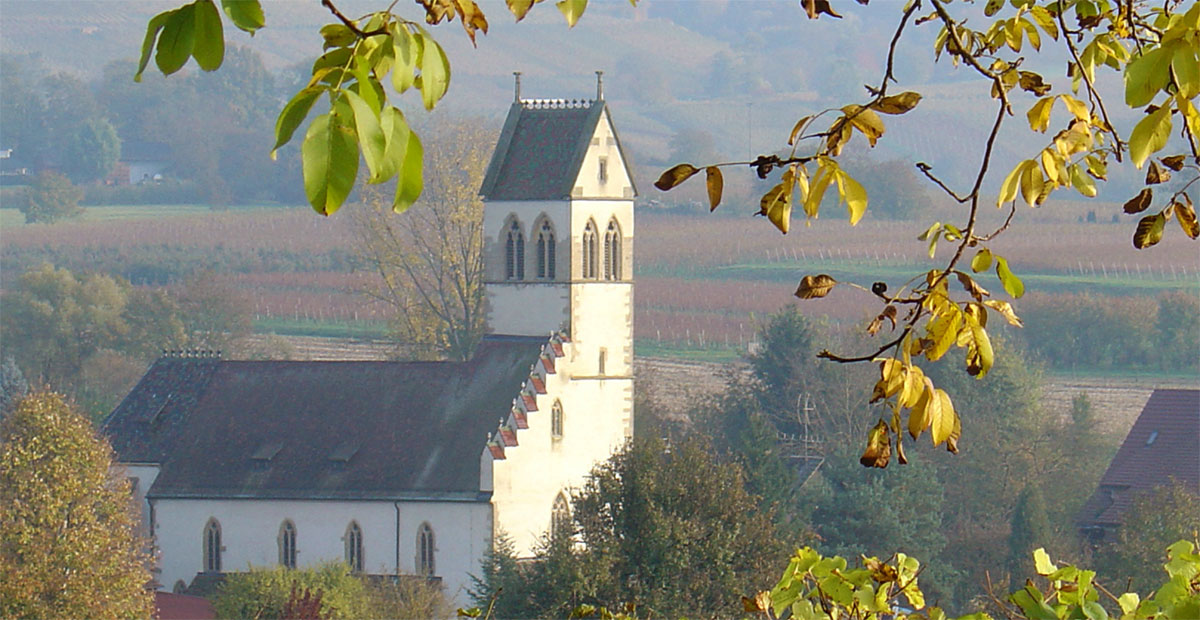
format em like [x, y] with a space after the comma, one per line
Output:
[14, 219]
[363, 330]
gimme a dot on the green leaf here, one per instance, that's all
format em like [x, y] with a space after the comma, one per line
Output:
[370, 136]
[435, 71]
[177, 40]
[410, 181]
[330, 162]
[572, 10]
[406, 50]
[1150, 135]
[1146, 75]
[1149, 231]
[1128, 602]
[1012, 284]
[209, 48]
[152, 29]
[1042, 563]
[1186, 70]
[293, 114]
[982, 261]
[337, 35]
[247, 15]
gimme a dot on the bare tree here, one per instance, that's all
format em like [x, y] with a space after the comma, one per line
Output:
[430, 258]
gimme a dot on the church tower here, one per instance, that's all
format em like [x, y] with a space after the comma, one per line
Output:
[558, 226]
[558, 261]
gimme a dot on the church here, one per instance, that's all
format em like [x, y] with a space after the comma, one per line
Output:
[413, 468]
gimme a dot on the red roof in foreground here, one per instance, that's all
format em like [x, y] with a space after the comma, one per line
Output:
[168, 606]
[1163, 445]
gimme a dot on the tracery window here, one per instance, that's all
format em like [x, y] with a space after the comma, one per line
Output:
[545, 252]
[556, 420]
[589, 251]
[354, 547]
[212, 546]
[514, 253]
[560, 517]
[425, 551]
[612, 251]
[287, 544]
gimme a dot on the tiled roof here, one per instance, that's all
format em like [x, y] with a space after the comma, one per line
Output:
[1163, 445]
[416, 428]
[541, 150]
[169, 606]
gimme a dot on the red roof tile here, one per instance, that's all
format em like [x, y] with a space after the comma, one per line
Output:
[1163, 445]
[558, 349]
[530, 402]
[168, 606]
[539, 386]
[548, 364]
[522, 421]
[497, 451]
[509, 437]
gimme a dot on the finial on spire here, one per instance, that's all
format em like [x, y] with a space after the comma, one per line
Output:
[599, 86]
[517, 87]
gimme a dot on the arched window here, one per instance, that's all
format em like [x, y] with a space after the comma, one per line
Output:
[287, 544]
[560, 517]
[556, 420]
[425, 550]
[514, 253]
[589, 251]
[545, 251]
[354, 547]
[612, 251]
[212, 546]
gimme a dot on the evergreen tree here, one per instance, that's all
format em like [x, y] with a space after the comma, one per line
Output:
[1030, 530]
[13, 385]
[500, 587]
[69, 546]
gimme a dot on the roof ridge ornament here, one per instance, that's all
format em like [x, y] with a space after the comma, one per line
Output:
[599, 86]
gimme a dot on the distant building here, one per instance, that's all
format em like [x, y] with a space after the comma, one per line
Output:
[413, 467]
[142, 162]
[1162, 447]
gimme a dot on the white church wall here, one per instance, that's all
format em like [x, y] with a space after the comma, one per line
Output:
[597, 420]
[141, 475]
[250, 535]
[602, 173]
[527, 308]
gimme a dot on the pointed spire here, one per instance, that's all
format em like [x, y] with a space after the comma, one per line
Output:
[517, 87]
[599, 86]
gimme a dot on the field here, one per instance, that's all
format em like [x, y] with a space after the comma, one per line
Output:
[703, 282]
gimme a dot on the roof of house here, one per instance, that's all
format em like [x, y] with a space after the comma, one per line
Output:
[320, 430]
[541, 149]
[1163, 446]
[170, 606]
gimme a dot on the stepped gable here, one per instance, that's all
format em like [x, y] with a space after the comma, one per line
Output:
[323, 430]
[1163, 445]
